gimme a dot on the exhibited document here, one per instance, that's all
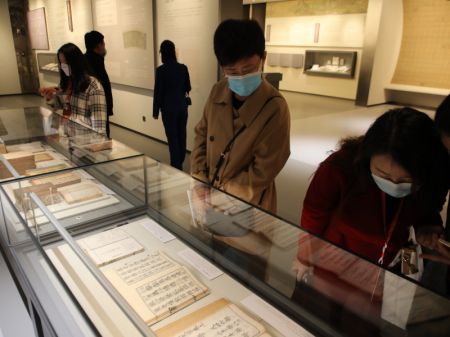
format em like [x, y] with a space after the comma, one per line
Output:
[154, 285]
[58, 180]
[110, 246]
[80, 192]
[220, 318]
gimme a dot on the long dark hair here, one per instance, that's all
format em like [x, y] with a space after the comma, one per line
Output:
[78, 68]
[167, 50]
[442, 117]
[411, 139]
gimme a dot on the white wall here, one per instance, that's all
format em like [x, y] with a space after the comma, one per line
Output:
[295, 35]
[58, 28]
[190, 24]
[57, 23]
[10, 83]
[387, 49]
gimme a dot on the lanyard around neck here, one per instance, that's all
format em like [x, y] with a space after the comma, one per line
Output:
[392, 226]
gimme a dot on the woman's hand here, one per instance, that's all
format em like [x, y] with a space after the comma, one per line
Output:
[48, 92]
[428, 237]
[443, 255]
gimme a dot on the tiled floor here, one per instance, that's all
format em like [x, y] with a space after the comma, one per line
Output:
[317, 125]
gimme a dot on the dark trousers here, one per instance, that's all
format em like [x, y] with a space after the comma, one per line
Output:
[175, 127]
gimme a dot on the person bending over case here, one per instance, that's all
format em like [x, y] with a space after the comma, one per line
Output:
[366, 196]
[242, 139]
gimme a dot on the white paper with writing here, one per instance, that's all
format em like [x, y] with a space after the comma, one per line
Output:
[275, 318]
[156, 230]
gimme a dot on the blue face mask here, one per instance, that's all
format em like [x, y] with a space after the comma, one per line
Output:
[245, 85]
[394, 190]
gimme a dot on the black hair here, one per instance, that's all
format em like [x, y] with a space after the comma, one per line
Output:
[92, 39]
[167, 50]
[78, 68]
[442, 116]
[235, 40]
[411, 139]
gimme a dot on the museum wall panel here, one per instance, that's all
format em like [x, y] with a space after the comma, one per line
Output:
[10, 83]
[133, 105]
[424, 55]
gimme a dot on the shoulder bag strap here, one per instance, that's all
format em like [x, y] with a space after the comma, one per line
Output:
[227, 149]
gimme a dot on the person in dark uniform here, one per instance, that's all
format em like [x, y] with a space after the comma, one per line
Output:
[172, 87]
[95, 56]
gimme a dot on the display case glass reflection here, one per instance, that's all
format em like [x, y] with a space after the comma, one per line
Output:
[37, 141]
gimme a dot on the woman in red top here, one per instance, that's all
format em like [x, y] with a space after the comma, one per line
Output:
[365, 196]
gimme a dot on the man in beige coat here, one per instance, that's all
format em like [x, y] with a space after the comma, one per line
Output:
[246, 121]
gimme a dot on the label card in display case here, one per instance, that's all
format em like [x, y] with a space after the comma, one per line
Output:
[201, 264]
[156, 230]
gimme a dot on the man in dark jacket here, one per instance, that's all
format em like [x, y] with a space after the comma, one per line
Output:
[95, 56]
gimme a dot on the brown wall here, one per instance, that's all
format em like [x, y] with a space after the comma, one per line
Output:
[425, 50]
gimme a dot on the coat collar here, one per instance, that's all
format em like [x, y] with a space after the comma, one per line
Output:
[253, 104]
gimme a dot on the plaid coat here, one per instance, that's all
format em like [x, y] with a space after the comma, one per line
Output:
[87, 108]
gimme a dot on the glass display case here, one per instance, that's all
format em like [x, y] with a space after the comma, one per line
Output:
[149, 251]
[107, 242]
[35, 141]
[48, 63]
[331, 63]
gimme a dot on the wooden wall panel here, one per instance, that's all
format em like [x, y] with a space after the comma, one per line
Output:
[424, 58]
[315, 7]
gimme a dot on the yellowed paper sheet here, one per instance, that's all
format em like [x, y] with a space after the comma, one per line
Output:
[220, 318]
[80, 192]
[158, 296]
[58, 180]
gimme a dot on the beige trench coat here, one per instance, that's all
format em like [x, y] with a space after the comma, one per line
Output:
[258, 153]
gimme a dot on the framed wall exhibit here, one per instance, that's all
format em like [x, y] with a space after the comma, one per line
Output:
[37, 27]
[128, 35]
[330, 63]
